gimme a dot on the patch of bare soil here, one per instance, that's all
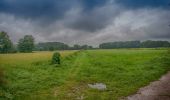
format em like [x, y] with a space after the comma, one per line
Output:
[158, 90]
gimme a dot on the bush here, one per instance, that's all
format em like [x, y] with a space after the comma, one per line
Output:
[56, 58]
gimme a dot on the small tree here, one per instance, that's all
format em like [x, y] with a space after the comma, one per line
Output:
[26, 44]
[5, 43]
[56, 58]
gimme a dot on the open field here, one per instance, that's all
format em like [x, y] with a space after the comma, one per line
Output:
[124, 71]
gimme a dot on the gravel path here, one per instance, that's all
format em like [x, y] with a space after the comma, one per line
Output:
[158, 90]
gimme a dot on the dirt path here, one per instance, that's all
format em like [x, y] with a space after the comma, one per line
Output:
[158, 90]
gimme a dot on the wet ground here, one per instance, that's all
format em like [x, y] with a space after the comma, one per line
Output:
[158, 90]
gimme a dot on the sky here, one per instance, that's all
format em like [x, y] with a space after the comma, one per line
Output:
[86, 21]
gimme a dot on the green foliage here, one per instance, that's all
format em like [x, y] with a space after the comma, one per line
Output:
[56, 58]
[76, 46]
[51, 46]
[120, 44]
[5, 43]
[134, 44]
[26, 44]
[155, 44]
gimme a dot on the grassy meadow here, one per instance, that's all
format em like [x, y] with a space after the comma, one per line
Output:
[30, 76]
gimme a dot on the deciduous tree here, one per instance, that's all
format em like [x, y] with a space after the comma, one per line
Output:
[5, 43]
[26, 44]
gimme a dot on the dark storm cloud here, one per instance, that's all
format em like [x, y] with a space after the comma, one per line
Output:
[46, 12]
[36, 8]
[144, 3]
[85, 21]
[45, 8]
[90, 4]
[96, 19]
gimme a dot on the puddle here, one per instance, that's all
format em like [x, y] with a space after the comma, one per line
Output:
[99, 86]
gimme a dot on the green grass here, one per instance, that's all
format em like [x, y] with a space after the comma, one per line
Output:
[124, 71]
[28, 74]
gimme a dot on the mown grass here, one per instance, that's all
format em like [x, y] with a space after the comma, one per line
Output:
[30, 76]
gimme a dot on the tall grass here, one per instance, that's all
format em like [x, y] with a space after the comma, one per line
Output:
[30, 76]
[1, 77]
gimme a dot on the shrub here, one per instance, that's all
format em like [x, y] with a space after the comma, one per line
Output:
[56, 58]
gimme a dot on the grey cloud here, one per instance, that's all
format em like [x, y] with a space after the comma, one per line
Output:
[95, 19]
[110, 22]
[37, 9]
[139, 24]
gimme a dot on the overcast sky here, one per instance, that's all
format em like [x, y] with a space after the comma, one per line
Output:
[86, 21]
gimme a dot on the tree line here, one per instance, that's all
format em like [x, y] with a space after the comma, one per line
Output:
[27, 44]
[51, 46]
[134, 44]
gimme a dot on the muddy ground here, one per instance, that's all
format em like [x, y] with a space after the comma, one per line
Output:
[157, 90]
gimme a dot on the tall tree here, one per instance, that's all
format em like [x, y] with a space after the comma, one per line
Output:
[5, 43]
[26, 44]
